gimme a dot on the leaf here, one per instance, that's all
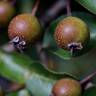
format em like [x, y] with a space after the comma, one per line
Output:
[88, 4]
[90, 92]
[42, 81]
[39, 80]
[84, 62]
[14, 66]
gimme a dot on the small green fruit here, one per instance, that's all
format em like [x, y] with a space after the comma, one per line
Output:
[6, 12]
[67, 87]
[26, 27]
[72, 32]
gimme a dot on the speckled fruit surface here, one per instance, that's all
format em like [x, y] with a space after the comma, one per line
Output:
[71, 30]
[26, 27]
[67, 87]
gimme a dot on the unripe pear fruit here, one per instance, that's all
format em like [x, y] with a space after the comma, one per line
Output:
[72, 33]
[6, 12]
[26, 27]
[67, 87]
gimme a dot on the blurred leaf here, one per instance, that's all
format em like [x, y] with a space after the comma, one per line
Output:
[39, 80]
[15, 66]
[25, 5]
[23, 92]
[80, 65]
[42, 80]
[88, 4]
[90, 92]
[31, 51]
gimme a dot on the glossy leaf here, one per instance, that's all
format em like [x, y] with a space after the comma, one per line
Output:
[39, 80]
[14, 66]
[88, 4]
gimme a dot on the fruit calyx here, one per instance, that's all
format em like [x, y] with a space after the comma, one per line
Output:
[18, 43]
[74, 47]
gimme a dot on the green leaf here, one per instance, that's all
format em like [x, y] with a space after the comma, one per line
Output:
[90, 92]
[80, 65]
[89, 5]
[15, 66]
[42, 81]
[39, 80]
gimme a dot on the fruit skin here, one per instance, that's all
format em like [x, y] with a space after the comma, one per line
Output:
[26, 27]
[71, 30]
[67, 87]
[6, 12]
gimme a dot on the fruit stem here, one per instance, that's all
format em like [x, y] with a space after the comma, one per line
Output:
[34, 10]
[68, 7]
[87, 79]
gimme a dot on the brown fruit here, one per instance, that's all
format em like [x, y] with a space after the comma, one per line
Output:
[72, 32]
[26, 27]
[67, 87]
[6, 12]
